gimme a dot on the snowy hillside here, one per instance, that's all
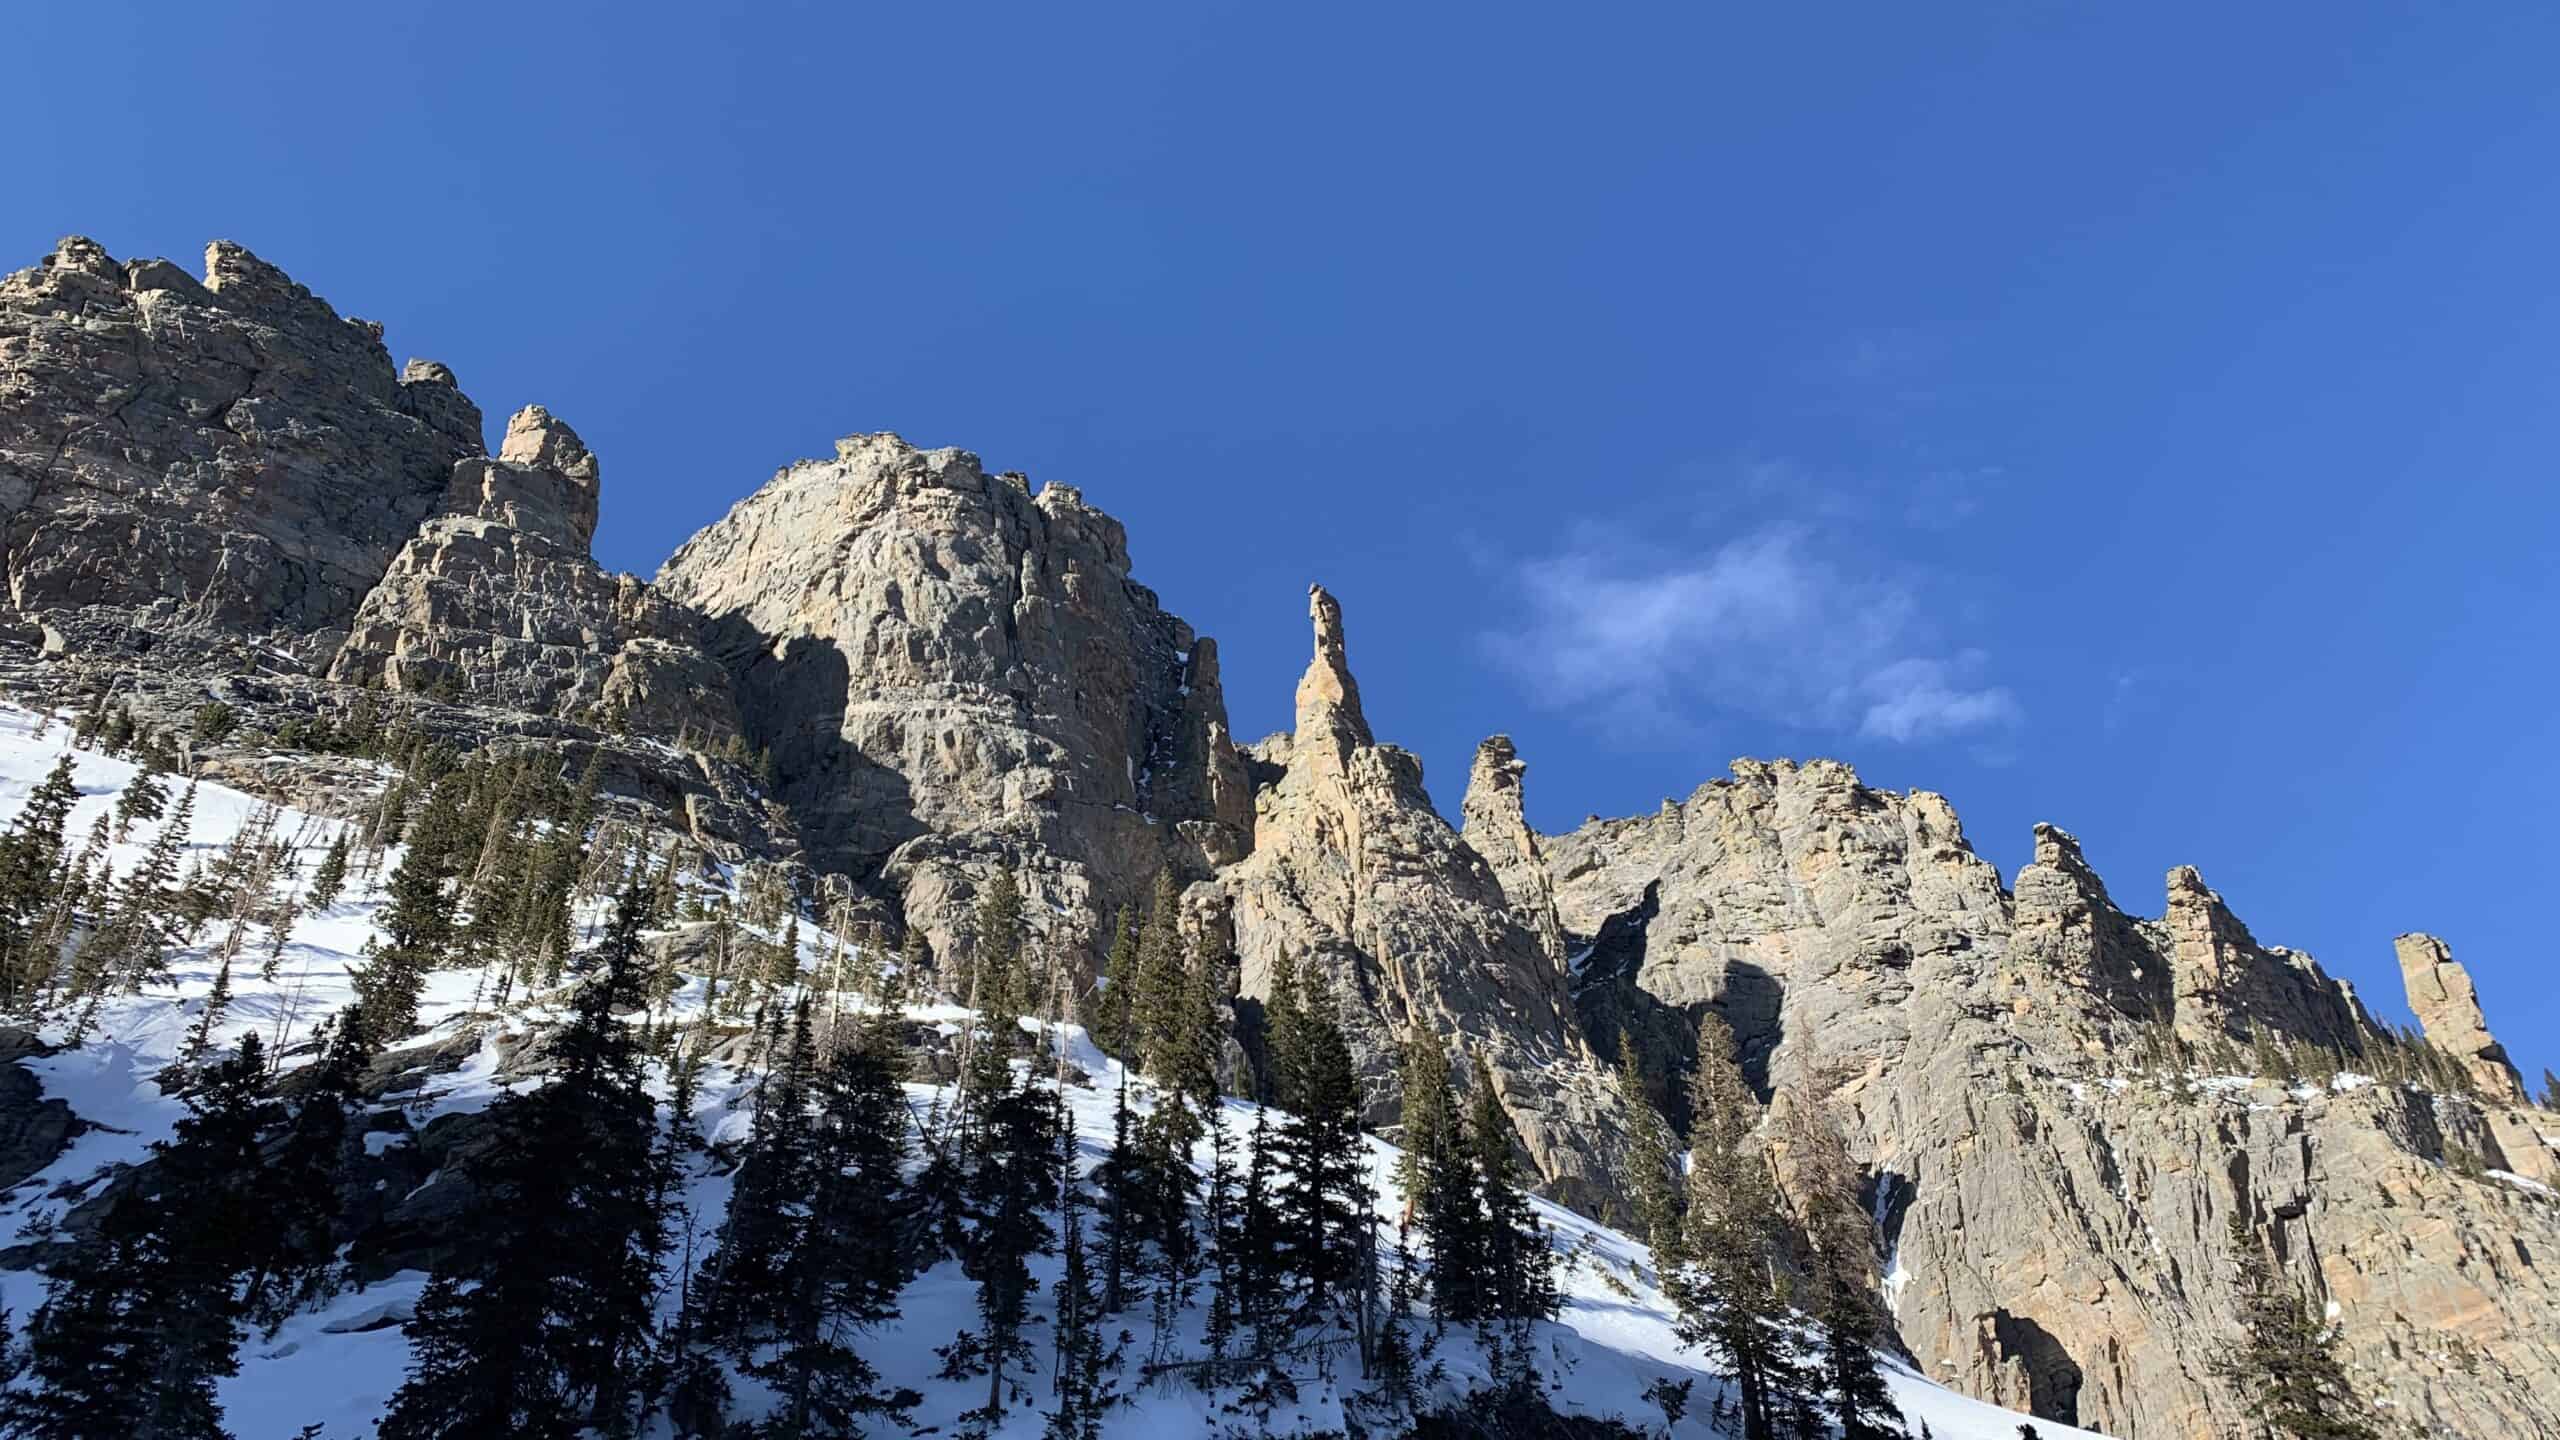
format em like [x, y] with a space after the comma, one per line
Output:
[337, 1366]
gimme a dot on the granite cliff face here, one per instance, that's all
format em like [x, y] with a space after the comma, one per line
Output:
[2054, 1186]
[218, 489]
[953, 674]
[188, 458]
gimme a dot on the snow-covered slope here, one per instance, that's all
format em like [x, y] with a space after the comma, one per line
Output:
[338, 1366]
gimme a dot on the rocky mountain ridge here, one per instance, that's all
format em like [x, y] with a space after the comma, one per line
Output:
[219, 489]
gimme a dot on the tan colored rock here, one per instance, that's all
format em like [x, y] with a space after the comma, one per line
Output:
[1370, 893]
[956, 675]
[2448, 1009]
[1495, 825]
[2226, 986]
[498, 601]
[2053, 1204]
[1803, 907]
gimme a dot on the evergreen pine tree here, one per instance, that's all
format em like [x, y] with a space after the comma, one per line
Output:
[331, 877]
[1083, 1366]
[842, 1270]
[1127, 1196]
[1429, 1130]
[1840, 1236]
[2285, 1362]
[1518, 1265]
[1730, 1303]
[532, 1330]
[1448, 1210]
[303, 1173]
[1219, 1332]
[1324, 1204]
[1014, 1183]
[144, 798]
[141, 1321]
[1112, 1012]
[996, 970]
[1260, 1264]
[417, 925]
[1157, 1006]
[31, 855]
[1652, 1180]
[749, 1273]
[1284, 1037]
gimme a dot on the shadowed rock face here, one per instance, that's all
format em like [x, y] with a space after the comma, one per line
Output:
[953, 675]
[225, 456]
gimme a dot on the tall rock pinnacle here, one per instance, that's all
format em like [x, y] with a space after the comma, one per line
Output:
[1328, 698]
[1368, 892]
[1495, 825]
[2448, 1009]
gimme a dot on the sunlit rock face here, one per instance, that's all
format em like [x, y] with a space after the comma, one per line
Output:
[190, 458]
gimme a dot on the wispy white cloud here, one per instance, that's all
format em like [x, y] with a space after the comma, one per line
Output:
[1771, 626]
[1918, 700]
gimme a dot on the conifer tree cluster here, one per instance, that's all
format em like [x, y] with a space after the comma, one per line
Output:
[1751, 1277]
[1492, 1266]
[2285, 1365]
[573, 1301]
[537, 1327]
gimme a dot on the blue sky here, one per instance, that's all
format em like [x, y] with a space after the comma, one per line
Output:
[2138, 418]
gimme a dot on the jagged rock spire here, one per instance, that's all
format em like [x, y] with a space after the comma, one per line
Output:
[1495, 824]
[2448, 1009]
[1328, 698]
[544, 482]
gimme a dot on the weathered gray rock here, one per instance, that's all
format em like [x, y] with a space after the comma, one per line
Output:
[35, 1128]
[182, 459]
[2448, 1010]
[2055, 1201]
[2226, 984]
[1804, 908]
[955, 675]
[499, 600]
[1357, 880]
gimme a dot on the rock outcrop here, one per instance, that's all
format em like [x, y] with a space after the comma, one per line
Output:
[188, 459]
[2225, 985]
[1495, 824]
[1803, 907]
[500, 601]
[1370, 893]
[2448, 1010]
[2053, 1183]
[2068, 939]
[953, 674]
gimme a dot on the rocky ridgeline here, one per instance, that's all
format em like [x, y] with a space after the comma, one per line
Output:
[2054, 1190]
[955, 674]
[225, 456]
